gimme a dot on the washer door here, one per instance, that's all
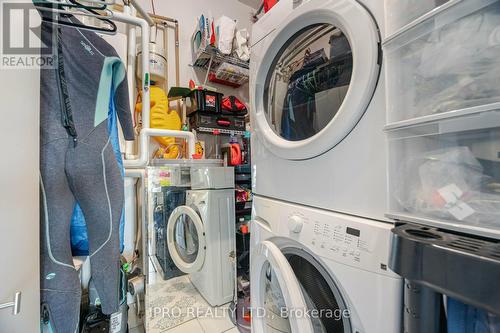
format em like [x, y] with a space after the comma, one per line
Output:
[320, 290]
[276, 293]
[186, 239]
[316, 78]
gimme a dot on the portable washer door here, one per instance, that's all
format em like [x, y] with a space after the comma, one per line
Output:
[277, 299]
[314, 77]
[186, 239]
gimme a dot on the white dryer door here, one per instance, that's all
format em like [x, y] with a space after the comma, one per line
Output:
[278, 303]
[315, 78]
[186, 239]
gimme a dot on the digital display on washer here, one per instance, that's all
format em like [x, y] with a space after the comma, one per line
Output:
[353, 232]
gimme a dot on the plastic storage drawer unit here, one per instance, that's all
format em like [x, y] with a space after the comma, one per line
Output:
[449, 62]
[446, 173]
[400, 13]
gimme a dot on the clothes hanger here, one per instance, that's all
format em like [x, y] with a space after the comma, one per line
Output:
[85, 3]
[70, 4]
[103, 2]
[55, 7]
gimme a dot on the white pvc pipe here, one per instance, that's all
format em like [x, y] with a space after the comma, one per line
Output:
[134, 173]
[140, 174]
[146, 133]
[131, 57]
[145, 31]
[132, 218]
[143, 13]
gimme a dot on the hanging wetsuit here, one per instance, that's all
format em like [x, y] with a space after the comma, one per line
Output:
[78, 165]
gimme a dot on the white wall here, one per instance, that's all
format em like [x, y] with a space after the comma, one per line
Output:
[19, 198]
[186, 12]
[255, 4]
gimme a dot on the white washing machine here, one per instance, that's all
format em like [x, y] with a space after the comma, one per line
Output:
[318, 106]
[318, 271]
[201, 234]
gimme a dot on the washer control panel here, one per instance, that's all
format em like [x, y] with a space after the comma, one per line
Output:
[295, 223]
[339, 239]
[347, 239]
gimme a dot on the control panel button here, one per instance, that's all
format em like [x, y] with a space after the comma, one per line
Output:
[295, 224]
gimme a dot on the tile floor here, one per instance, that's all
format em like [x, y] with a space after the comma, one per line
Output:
[135, 323]
[175, 306]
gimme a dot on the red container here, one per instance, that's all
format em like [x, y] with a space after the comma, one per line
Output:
[268, 4]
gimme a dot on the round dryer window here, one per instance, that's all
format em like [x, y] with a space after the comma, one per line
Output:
[186, 239]
[316, 77]
[308, 82]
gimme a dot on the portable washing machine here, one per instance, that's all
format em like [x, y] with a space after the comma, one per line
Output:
[201, 234]
[168, 181]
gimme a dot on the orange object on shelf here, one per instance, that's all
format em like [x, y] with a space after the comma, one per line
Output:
[235, 154]
[197, 156]
[244, 229]
[268, 4]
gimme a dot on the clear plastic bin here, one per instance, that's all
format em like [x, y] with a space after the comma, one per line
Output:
[447, 173]
[399, 13]
[449, 62]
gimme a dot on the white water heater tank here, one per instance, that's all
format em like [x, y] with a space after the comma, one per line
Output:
[157, 64]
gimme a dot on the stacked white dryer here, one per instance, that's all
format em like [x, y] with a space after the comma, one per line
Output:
[320, 239]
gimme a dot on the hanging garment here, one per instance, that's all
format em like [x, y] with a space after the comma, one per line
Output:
[78, 164]
[463, 318]
[316, 75]
[79, 236]
[297, 119]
